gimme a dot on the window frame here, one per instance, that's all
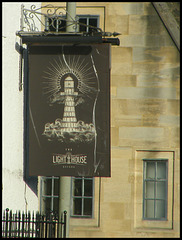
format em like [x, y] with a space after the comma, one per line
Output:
[148, 225]
[82, 216]
[52, 196]
[87, 16]
[155, 180]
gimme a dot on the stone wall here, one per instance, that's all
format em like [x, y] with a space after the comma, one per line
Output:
[144, 118]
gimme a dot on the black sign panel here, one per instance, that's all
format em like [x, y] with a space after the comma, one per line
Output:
[69, 110]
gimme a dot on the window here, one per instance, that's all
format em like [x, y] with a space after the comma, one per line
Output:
[49, 195]
[56, 25]
[82, 197]
[155, 190]
[88, 20]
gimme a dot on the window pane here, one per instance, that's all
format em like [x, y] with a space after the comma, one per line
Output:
[161, 170]
[56, 205]
[161, 190]
[150, 170]
[92, 22]
[83, 28]
[88, 206]
[160, 209]
[47, 187]
[56, 187]
[149, 208]
[47, 205]
[77, 206]
[149, 189]
[77, 187]
[87, 187]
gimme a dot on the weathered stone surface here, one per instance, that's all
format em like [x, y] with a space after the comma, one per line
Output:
[169, 120]
[145, 133]
[123, 80]
[125, 8]
[121, 55]
[141, 106]
[118, 23]
[145, 24]
[156, 54]
[146, 93]
[173, 107]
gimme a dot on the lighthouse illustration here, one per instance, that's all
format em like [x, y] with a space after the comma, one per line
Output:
[69, 122]
[66, 127]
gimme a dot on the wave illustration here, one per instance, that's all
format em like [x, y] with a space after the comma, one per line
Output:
[78, 132]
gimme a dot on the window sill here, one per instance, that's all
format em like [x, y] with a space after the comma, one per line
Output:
[81, 217]
[160, 220]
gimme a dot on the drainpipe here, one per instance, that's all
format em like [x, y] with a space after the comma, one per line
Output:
[65, 182]
[70, 15]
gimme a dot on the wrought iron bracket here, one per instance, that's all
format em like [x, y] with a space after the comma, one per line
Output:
[45, 17]
[35, 26]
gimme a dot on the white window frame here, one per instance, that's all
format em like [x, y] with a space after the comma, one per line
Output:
[147, 224]
[88, 17]
[82, 198]
[155, 181]
[42, 195]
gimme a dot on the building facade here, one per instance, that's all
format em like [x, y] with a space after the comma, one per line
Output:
[142, 196]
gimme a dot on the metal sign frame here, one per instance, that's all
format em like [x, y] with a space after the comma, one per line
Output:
[68, 117]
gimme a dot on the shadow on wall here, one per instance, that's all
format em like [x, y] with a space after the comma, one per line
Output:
[32, 183]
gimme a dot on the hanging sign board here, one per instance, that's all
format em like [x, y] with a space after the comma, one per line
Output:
[69, 110]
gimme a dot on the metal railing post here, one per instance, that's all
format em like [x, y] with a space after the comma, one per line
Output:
[65, 218]
[6, 225]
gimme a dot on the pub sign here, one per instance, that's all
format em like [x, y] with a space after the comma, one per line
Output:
[68, 100]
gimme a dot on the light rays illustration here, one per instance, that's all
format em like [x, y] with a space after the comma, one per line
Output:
[79, 68]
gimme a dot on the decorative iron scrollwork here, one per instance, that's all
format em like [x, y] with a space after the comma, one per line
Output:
[46, 17]
[42, 19]
[34, 15]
